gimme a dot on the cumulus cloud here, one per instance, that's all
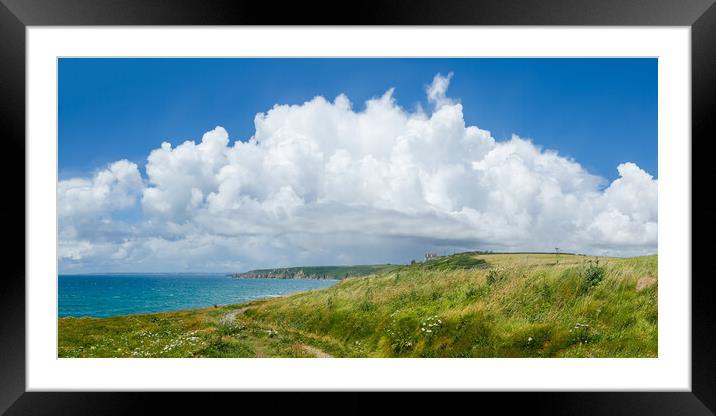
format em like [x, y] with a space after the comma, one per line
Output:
[437, 91]
[111, 189]
[322, 183]
[85, 208]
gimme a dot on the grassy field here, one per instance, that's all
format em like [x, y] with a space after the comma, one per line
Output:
[466, 305]
[322, 272]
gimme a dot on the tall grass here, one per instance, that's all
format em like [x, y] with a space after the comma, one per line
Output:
[516, 309]
[467, 305]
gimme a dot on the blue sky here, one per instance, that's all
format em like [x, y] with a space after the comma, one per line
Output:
[600, 112]
[157, 172]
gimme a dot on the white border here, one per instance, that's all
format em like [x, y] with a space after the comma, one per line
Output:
[671, 371]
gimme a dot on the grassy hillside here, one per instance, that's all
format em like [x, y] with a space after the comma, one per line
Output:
[320, 272]
[467, 305]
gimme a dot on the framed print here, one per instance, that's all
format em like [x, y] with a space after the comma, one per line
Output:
[456, 198]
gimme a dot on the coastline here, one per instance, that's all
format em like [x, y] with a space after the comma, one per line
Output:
[102, 296]
[468, 305]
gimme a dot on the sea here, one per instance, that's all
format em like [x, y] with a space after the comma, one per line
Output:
[102, 295]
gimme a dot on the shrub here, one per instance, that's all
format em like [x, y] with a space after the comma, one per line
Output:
[366, 306]
[401, 333]
[430, 326]
[494, 276]
[583, 334]
[592, 273]
[475, 292]
[229, 328]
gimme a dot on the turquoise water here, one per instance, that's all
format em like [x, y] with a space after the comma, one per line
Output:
[101, 295]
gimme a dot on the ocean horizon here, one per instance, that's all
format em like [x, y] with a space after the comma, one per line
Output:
[114, 294]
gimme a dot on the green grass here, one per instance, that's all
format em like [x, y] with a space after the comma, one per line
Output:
[461, 261]
[467, 305]
[324, 272]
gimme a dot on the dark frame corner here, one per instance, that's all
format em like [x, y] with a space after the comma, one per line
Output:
[15, 15]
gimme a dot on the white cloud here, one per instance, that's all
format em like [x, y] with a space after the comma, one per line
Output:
[111, 189]
[322, 183]
[626, 213]
[437, 91]
[73, 249]
[85, 207]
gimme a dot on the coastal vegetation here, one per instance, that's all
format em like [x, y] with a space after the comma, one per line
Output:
[316, 272]
[465, 305]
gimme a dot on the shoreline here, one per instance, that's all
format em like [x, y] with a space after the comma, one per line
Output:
[207, 308]
[204, 308]
[518, 306]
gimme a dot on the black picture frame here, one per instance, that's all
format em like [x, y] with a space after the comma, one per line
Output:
[16, 15]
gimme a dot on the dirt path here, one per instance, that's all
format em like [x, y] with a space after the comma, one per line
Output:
[229, 317]
[315, 351]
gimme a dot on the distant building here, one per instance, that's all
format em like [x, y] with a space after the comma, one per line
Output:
[431, 256]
